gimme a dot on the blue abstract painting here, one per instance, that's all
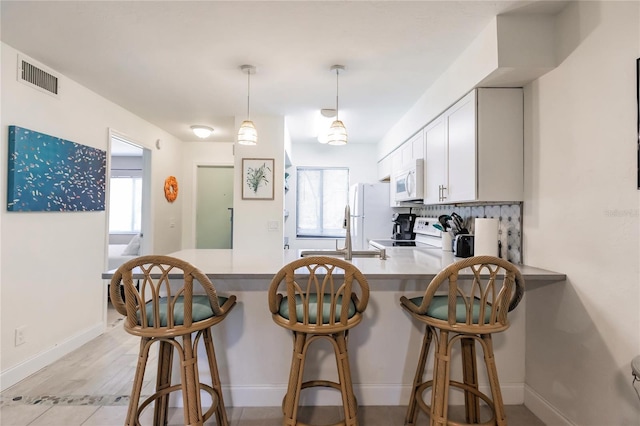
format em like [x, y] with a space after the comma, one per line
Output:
[52, 174]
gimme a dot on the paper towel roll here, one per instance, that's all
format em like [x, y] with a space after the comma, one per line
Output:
[485, 240]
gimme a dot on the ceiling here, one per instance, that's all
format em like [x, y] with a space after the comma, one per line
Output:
[176, 63]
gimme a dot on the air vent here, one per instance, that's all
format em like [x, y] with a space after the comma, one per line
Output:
[36, 77]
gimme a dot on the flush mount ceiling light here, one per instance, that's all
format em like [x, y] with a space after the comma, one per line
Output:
[247, 134]
[337, 131]
[202, 131]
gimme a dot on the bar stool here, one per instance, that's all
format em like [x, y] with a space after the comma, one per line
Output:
[321, 298]
[158, 313]
[466, 302]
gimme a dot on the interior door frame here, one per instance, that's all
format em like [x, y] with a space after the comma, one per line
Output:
[194, 200]
[146, 218]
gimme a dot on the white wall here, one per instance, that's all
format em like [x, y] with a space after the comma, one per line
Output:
[581, 217]
[51, 262]
[359, 158]
[251, 217]
[510, 51]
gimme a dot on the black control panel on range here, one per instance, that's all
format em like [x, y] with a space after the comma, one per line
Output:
[403, 226]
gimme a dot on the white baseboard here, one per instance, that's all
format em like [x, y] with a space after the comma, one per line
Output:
[271, 396]
[26, 368]
[543, 409]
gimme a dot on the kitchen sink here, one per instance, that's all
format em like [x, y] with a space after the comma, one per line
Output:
[340, 253]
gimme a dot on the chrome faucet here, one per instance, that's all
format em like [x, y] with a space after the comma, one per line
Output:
[347, 250]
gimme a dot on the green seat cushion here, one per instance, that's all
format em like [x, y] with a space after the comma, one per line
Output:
[201, 310]
[313, 308]
[439, 309]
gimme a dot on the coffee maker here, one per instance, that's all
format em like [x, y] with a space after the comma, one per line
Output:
[403, 226]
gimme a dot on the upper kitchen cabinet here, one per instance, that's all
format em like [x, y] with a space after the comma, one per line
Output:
[384, 169]
[412, 150]
[474, 150]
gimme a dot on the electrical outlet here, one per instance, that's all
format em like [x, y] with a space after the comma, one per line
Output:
[21, 335]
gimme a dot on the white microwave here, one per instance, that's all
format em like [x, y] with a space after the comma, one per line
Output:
[409, 183]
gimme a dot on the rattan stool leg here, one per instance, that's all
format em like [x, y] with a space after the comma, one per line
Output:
[163, 381]
[132, 412]
[412, 410]
[470, 378]
[221, 412]
[441, 373]
[292, 398]
[344, 377]
[492, 373]
[190, 383]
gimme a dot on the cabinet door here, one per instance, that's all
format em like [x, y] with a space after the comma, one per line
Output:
[418, 146]
[406, 153]
[435, 161]
[461, 135]
[384, 169]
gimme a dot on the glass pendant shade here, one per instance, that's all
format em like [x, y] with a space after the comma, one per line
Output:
[337, 134]
[247, 135]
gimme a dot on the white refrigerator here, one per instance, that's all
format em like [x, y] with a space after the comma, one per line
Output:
[371, 213]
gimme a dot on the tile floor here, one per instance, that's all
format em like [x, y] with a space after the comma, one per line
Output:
[84, 389]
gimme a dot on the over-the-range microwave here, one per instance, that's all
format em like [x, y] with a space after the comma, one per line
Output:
[409, 183]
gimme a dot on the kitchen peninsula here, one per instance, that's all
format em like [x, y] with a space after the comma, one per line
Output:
[254, 354]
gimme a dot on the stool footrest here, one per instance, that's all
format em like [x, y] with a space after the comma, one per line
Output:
[166, 391]
[462, 386]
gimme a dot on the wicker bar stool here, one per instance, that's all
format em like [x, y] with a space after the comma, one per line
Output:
[318, 298]
[465, 310]
[158, 313]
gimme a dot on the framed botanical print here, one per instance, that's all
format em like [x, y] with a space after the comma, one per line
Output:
[257, 179]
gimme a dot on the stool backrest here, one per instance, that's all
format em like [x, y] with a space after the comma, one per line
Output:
[344, 288]
[480, 289]
[151, 302]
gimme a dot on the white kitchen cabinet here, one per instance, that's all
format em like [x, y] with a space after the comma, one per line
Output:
[384, 169]
[474, 150]
[412, 150]
[436, 160]
[417, 144]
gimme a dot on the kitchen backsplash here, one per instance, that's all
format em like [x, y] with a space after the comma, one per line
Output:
[509, 217]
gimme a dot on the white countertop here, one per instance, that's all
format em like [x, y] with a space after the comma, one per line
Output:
[401, 263]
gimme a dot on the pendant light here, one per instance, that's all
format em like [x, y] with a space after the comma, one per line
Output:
[247, 135]
[337, 131]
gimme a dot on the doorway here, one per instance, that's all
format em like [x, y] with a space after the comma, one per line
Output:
[214, 207]
[128, 206]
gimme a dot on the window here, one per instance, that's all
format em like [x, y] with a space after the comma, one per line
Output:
[322, 194]
[125, 211]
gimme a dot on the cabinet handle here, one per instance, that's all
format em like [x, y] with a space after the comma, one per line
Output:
[439, 192]
[444, 197]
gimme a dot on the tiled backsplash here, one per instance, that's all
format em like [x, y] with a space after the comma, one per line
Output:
[509, 217]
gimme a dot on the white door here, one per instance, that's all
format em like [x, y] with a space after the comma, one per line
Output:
[214, 207]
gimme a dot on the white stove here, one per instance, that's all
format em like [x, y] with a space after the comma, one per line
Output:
[427, 237]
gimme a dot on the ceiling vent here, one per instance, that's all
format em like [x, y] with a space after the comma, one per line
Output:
[36, 77]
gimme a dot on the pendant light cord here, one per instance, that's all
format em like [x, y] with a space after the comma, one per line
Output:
[337, 79]
[248, 92]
